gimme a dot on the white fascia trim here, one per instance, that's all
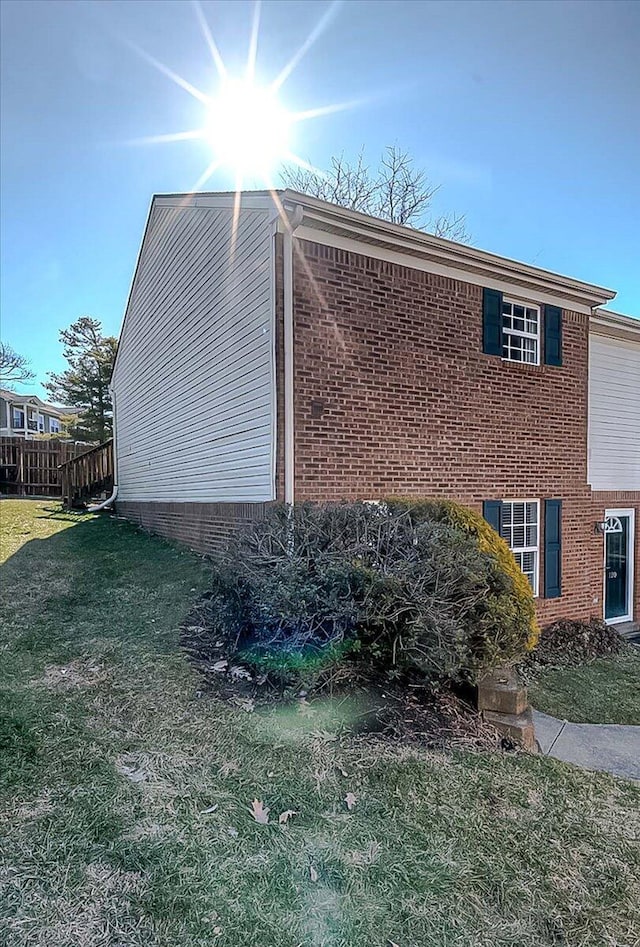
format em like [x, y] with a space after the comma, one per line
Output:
[473, 266]
[614, 325]
[514, 289]
[249, 200]
[459, 260]
[123, 324]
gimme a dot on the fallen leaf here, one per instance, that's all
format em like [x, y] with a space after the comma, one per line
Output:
[313, 874]
[260, 812]
[392, 943]
[284, 817]
[239, 673]
[219, 666]
[344, 773]
[232, 832]
[350, 800]
[210, 809]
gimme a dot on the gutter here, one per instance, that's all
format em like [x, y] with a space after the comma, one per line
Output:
[291, 220]
[439, 255]
[615, 325]
[106, 504]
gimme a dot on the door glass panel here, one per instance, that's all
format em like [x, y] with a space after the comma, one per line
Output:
[616, 571]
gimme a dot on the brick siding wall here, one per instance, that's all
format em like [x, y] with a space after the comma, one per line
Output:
[395, 396]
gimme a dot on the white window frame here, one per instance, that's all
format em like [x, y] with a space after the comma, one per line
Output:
[52, 422]
[534, 549]
[520, 334]
[22, 411]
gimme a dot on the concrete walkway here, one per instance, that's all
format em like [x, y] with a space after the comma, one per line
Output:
[608, 747]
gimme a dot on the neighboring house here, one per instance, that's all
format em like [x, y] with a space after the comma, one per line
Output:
[295, 350]
[28, 416]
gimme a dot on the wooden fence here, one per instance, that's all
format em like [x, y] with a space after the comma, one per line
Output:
[88, 474]
[29, 468]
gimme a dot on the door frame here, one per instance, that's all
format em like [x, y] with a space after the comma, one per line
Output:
[631, 550]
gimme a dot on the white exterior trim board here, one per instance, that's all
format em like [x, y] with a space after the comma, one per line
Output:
[520, 292]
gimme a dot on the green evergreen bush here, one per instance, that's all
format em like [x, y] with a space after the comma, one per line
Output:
[424, 587]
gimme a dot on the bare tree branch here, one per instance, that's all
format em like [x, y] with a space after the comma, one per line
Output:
[397, 191]
[452, 228]
[13, 367]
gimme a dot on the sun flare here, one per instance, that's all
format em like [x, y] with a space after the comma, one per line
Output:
[245, 123]
[248, 128]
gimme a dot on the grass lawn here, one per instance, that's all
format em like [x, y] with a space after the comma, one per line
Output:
[605, 691]
[126, 791]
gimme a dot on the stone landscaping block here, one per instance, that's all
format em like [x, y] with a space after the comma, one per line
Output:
[518, 727]
[501, 692]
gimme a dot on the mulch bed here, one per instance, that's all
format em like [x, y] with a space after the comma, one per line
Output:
[406, 712]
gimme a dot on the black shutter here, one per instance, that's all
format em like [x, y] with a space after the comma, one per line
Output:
[492, 512]
[492, 322]
[553, 335]
[553, 548]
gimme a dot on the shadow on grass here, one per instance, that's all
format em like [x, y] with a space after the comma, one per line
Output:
[84, 576]
[79, 593]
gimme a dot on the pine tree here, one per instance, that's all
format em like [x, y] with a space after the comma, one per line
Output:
[85, 384]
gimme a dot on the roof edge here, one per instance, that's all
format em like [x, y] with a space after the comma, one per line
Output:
[615, 325]
[369, 229]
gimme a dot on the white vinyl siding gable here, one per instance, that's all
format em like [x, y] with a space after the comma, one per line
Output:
[194, 379]
[614, 414]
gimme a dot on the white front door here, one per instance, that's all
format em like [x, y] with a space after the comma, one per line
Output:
[618, 565]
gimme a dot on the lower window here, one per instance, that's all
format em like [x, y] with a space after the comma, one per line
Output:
[521, 530]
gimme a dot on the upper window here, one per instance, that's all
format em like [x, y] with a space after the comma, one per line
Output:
[520, 332]
[520, 528]
[54, 425]
[18, 417]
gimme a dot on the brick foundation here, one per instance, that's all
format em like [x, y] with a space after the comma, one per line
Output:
[204, 527]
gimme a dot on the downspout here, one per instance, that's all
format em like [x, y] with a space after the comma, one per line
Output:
[105, 503]
[291, 222]
[114, 493]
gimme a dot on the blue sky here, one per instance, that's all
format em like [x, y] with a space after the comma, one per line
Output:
[527, 114]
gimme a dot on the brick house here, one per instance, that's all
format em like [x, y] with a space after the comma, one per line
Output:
[307, 352]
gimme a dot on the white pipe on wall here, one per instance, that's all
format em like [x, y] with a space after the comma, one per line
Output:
[105, 503]
[114, 493]
[292, 222]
